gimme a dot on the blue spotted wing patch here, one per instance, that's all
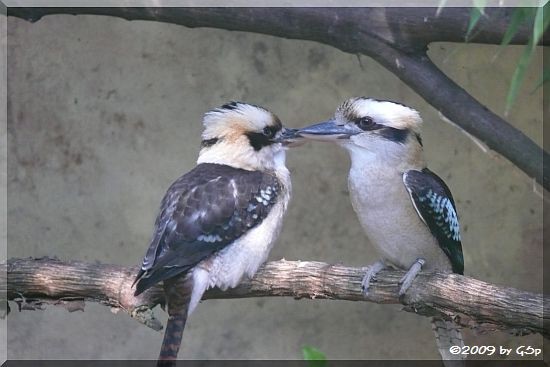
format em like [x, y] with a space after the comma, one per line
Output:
[202, 212]
[434, 204]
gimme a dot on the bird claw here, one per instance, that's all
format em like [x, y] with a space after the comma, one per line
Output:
[409, 277]
[370, 275]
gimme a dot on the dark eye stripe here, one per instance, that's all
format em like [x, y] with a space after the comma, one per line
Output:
[387, 132]
[393, 134]
[258, 140]
[263, 139]
[209, 142]
[270, 131]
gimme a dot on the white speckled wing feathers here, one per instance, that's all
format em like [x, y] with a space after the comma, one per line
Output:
[434, 204]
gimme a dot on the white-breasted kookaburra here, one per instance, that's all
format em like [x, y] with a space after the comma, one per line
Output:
[218, 222]
[406, 211]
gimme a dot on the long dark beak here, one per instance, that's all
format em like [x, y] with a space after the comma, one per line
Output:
[289, 137]
[327, 131]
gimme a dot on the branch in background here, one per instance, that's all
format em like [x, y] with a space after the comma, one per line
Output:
[406, 27]
[395, 37]
[470, 302]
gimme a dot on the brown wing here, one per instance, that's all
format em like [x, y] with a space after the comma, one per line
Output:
[202, 212]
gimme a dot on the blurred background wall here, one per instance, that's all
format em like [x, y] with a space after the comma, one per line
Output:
[103, 114]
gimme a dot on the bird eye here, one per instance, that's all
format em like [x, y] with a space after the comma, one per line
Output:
[365, 123]
[269, 132]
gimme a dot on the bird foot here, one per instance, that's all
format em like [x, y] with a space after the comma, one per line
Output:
[408, 278]
[370, 275]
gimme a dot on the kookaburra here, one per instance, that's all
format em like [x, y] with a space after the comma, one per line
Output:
[218, 222]
[406, 210]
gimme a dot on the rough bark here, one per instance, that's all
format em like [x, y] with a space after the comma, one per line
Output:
[32, 283]
[395, 37]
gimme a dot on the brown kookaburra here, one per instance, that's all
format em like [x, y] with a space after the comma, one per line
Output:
[218, 222]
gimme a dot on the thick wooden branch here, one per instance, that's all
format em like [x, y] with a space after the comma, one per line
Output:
[395, 37]
[406, 27]
[470, 302]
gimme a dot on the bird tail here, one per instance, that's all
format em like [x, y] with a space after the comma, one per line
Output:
[447, 335]
[177, 291]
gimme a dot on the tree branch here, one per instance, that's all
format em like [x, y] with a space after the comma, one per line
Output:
[470, 302]
[395, 37]
[404, 27]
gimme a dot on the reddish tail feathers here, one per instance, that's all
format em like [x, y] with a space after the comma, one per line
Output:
[178, 294]
[172, 340]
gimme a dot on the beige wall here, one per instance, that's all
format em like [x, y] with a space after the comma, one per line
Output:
[105, 113]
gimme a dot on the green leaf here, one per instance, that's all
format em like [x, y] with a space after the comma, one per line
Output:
[475, 15]
[541, 23]
[315, 357]
[542, 19]
[518, 17]
[518, 76]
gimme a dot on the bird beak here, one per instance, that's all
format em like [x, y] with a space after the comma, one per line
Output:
[289, 137]
[327, 131]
